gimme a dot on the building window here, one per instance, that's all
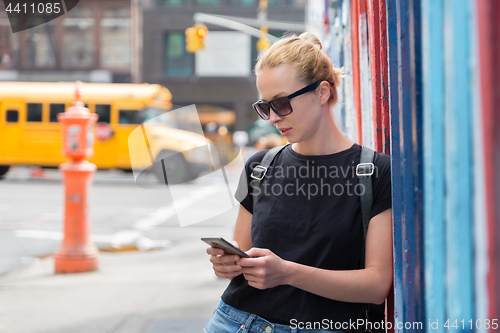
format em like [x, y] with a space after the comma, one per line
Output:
[9, 43]
[173, 3]
[54, 110]
[211, 3]
[115, 38]
[294, 3]
[78, 41]
[41, 46]
[254, 53]
[243, 3]
[177, 61]
[10, 57]
[34, 112]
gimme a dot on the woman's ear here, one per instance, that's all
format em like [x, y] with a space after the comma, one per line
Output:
[324, 92]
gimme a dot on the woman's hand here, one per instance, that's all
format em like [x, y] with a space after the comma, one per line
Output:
[225, 266]
[265, 269]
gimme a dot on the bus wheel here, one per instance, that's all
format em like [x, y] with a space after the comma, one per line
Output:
[176, 168]
[4, 169]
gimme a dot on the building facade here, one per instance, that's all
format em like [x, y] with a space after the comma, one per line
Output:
[93, 42]
[220, 75]
[90, 43]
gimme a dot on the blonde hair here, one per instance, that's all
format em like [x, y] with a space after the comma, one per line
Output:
[304, 54]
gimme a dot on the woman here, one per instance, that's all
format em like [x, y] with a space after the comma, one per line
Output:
[305, 234]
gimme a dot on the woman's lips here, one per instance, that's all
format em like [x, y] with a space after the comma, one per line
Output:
[285, 131]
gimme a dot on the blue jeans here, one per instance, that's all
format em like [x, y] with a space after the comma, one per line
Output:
[227, 319]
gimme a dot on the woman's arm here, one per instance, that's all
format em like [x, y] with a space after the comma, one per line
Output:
[225, 265]
[243, 228]
[369, 285]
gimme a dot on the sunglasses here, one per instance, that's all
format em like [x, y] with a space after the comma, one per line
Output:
[281, 105]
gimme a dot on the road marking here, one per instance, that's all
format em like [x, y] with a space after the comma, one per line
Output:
[40, 234]
[56, 235]
[130, 236]
[51, 216]
[162, 214]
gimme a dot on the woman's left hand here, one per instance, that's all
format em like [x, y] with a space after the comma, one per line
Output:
[264, 270]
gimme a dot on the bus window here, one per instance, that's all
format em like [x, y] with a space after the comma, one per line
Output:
[34, 112]
[54, 110]
[129, 117]
[12, 116]
[104, 112]
[159, 116]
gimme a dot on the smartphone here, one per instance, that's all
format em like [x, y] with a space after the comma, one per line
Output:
[221, 243]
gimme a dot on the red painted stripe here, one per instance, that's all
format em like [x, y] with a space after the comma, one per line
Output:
[374, 41]
[379, 72]
[384, 72]
[489, 49]
[355, 65]
[385, 124]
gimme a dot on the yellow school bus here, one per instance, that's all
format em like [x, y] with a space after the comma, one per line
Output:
[31, 135]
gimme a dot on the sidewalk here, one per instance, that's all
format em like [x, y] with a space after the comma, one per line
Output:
[169, 291]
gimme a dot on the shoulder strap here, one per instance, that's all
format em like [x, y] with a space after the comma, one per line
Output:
[259, 172]
[364, 171]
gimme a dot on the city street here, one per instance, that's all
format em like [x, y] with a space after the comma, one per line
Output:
[169, 288]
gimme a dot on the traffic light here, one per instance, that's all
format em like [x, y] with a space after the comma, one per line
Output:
[195, 37]
[263, 43]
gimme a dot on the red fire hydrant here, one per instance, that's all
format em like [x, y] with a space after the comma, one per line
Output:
[76, 253]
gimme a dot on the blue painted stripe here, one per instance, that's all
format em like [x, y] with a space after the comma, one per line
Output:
[418, 165]
[459, 269]
[433, 77]
[405, 105]
[392, 54]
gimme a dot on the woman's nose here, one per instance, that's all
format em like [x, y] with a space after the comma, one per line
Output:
[273, 117]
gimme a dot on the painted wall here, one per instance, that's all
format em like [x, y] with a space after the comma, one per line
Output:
[422, 85]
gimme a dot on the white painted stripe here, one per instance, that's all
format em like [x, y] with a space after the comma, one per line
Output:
[479, 188]
[56, 235]
[162, 214]
[366, 84]
[40, 234]
[155, 218]
[129, 237]
[51, 216]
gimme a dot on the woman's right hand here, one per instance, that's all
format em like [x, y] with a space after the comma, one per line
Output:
[224, 265]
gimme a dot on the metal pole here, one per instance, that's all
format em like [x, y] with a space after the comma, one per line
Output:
[230, 24]
[136, 41]
[263, 42]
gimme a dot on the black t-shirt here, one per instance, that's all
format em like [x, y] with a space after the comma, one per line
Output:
[309, 212]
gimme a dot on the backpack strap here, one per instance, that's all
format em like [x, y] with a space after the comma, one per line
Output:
[259, 172]
[364, 171]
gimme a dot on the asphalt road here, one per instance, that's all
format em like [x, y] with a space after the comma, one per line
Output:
[172, 289]
[121, 213]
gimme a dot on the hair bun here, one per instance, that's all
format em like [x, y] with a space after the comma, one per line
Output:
[311, 38]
